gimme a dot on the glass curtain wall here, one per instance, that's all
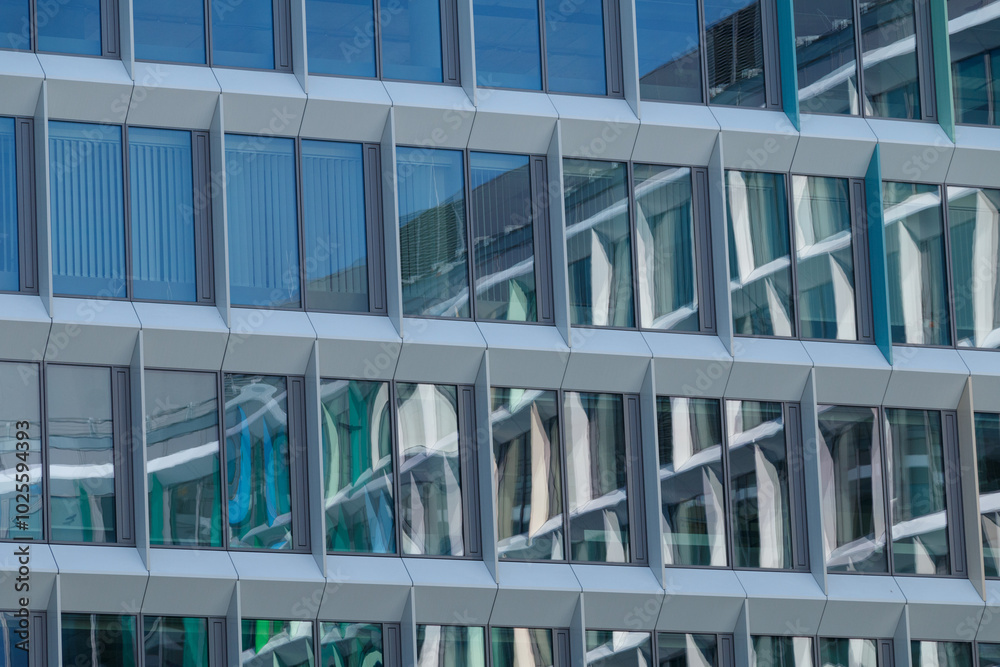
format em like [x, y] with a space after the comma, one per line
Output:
[988, 456]
[170, 641]
[686, 650]
[974, 32]
[102, 639]
[889, 59]
[451, 646]
[840, 652]
[606, 648]
[350, 645]
[940, 654]
[974, 238]
[522, 647]
[284, 643]
[169, 31]
[10, 277]
[71, 27]
[782, 652]
[20, 452]
[243, 34]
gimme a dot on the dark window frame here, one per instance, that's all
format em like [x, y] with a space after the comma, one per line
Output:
[27, 219]
[110, 37]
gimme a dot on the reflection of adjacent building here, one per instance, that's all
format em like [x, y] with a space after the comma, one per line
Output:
[974, 30]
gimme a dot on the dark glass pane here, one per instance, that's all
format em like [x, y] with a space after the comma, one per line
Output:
[350, 645]
[20, 452]
[175, 642]
[826, 56]
[574, 47]
[848, 652]
[277, 643]
[989, 655]
[735, 44]
[941, 654]
[169, 31]
[607, 648]
[70, 26]
[522, 647]
[972, 90]
[974, 33]
[182, 459]
[98, 639]
[508, 44]
[974, 228]
[451, 646]
[529, 491]
[686, 650]
[341, 36]
[10, 277]
[988, 455]
[411, 40]
[503, 237]
[243, 34]
[357, 466]
[889, 58]
[669, 58]
[15, 17]
[782, 652]
[15, 641]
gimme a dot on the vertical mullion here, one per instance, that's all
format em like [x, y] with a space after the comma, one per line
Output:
[949, 283]
[990, 92]
[727, 485]
[220, 387]
[862, 265]
[33, 24]
[469, 231]
[377, 45]
[887, 484]
[374, 228]
[208, 31]
[300, 223]
[703, 51]
[633, 241]
[43, 444]
[858, 54]
[397, 457]
[541, 230]
[543, 47]
[793, 256]
[127, 212]
[27, 217]
[702, 239]
[564, 469]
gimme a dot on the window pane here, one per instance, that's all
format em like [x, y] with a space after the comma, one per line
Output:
[974, 225]
[284, 643]
[411, 40]
[691, 481]
[503, 237]
[574, 48]
[87, 209]
[98, 639]
[508, 50]
[432, 233]
[851, 469]
[826, 53]
[430, 477]
[825, 257]
[760, 271]
[848, 652]
[782, 652]
[80, 454]
[971, 88]
[758, 485]
[71, 26]
[243, 34]
[257, 462]
[14, 14]
[162, 191]
[262, 211]
[889, 58]
[735, 43]
[357, 466]
[988, 454]
[341, 36]
[989, 655]
[940, 654]
[914, 239]
[175, 642]
[350, 645]
[919, 516]
[20, 452]
[598, 243]
[606, 648]
[522, 647]
[526, 452]
[596, 477]
[669, 57]
[975, 39]
[169, 31]
[685, 650]
[333, 219]
[665, 254]
[451, 646]
[15, 641]
[182, 459]
[10, 277]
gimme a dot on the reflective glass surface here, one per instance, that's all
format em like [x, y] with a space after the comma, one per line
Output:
[15, 17]
[20, 452]
[988, 455]
[826, 56]
[735, 44]
[15, 641]
[848, 652]
[508, 44]
[350, 645]
[411, 40]
[341, 36]
[98, 639]
[574, 47]
[451, 646]
[10, 277]
[824, 257]
[760, 270]
[889, 59]
[169, 31]
[669, 58]
[918, 507]
[687, 650]
[277, 643]
[526, 453]
[434, 252]
[170, 641]
[915, 262]
[974, 236]
[243, 34]
[665, 248]
[357, 466]
[596, 477]
[607, 648]
[691, 481]
[182, 458]
[430, 476]
[598, 243]
[974, 32]
[522, 647]
[257, 462]
[940, 654]
[758, 485]
[851, 473]
[989, 654]
[261, 202]
[503, 237]
[81, 456]
[782, 652]
[69, 26]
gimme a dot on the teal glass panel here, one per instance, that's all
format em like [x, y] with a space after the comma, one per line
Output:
[351, 645]
[842, 652]
[988, 456]
[276, 643]
[782, 652]
[974, 239]
[940, 654]
[98, 639]
[21, 487]
[522, 647]
[170, 641]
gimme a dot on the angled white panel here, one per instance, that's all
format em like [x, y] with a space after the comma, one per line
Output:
[100, 579]
[833, 146]
[861, 606]
[940, 608]
[756, 140]
[265, 103]
[782, 603]
[619, 597]
[21, 81]
[186, 581]
[525, 355]
[92, 331]
[848, 373]
[364, 588]
[173, 96]
[431, 116]
[97, 90]
[513, 121]
[989, 623]
[269, 341]
[277, 585]
[455, 592]
[440, 351]
[688, 365]
[912, 151]
[924, 377]
[606, 360]
[24, 328]
[535, 595]
[675, 134]
[975, 158]
[985, 367]
[345, 109]
[220, 232]
[41, 574]
[182, 335]
[768, 369]
[596, 127]
[356, 346]
[700, 600]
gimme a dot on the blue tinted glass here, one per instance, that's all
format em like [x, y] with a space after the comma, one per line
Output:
[70, 26]
[974, 31]
[972, 95]
[574, 46]
[15, 643]
[735, 45]
[411, 40]
[162, 198]
[9, 276]
[263, 240]
[508, 50]
[333, 219]
[826, 56]
[889, 58]
[16, 30]
[341, 36]
[669, 58]
[171, 31]
[86, 205]
[243, 34]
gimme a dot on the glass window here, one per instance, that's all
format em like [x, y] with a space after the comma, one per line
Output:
[341, 36]
[508, 44]
[598, 243]
[760, 268]
[87, 209]
[170, 641]
[243, 34]
[257, 462]
[20, 452]
[503, 237]
[988, 455]
[989, 654]
[596, 477]
[758, 485]
[665, 248]
[451, 646]
[170, 31]
[687, 650]
[411, 41]
[607, 648]
[919, 517]
[357, 466]
[15, 15]
[669, 50]
[940, 654]
[826, 56]
[851, 470]
[10, 277]
[15, 641]
[889, 59]
[98, 639]
[182, 459]
[285, 643]
[263, 231]
[782, 652]
[430, 477]
[848, 652]
[574, 48]
[80, 454]
[70, 26]
[915, 258]
[522, 647]
[735, 44]
[974, 237]
[691, 481]
[350, 645]
[432, 232]
[974, 30]
[528, 460]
